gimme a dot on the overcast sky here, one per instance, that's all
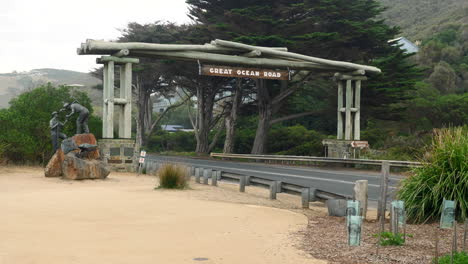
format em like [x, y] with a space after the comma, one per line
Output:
[46, 33]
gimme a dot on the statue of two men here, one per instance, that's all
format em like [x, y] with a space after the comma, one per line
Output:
[55, 133]
[83, 116]
[81, 122]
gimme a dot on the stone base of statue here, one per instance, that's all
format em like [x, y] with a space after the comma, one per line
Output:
[78, 159]
[120, 154]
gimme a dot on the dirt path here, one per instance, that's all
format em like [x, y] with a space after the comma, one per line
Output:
[123, 220]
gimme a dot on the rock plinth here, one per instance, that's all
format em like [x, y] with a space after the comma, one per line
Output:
[75, 168]
[54, 167]
[69, 163]
[89, 139]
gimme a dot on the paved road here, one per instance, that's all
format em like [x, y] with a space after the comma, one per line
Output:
[339, 181]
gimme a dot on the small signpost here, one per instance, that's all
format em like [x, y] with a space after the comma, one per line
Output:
[141, 161]
[237, 72]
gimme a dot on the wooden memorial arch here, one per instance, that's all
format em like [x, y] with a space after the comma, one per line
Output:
[221, 58]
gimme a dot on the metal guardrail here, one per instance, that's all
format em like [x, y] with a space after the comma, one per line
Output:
[202, 175]
[287, 158]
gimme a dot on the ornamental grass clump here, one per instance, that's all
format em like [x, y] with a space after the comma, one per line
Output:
[443, 175]
[172, 176]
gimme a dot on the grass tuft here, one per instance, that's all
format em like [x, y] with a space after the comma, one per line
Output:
[458, 258]
[172, 176]
[390, 239]
[443, 175]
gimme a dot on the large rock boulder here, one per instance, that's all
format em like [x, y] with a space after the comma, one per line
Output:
[74, 168]
[54, 167]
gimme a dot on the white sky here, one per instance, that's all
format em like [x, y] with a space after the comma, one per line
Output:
[46, 33]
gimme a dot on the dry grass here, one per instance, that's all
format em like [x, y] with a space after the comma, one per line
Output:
[172, 176]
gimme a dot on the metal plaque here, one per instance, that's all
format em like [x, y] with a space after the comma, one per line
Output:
[447, 219]
[227, 71]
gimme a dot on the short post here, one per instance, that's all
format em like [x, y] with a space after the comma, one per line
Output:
[214, 178]
[436, 253]
[312, 195]
[464, 234]
[278, 186]
[273, 190]
[197, 174]
[383, 194]
[305, 197]
[241, 183]
[361, 194]
[206, 175]
[247, 180]
[219, 175]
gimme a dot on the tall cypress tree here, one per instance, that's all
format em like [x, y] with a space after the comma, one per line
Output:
[344, 30]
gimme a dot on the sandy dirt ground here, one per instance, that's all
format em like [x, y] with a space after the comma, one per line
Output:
[124, 220]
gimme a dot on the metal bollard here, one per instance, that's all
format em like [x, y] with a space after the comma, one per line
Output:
[242, 183]
[305, 197]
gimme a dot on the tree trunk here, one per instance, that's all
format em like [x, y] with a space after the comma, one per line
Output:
[205, 101]
[265, 114]
[231, 118]
[144, 114]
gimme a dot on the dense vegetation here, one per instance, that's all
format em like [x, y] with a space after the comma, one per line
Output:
[443, 175]
[25, 134]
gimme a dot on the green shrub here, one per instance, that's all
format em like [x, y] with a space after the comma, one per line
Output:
[390, 239]
[458, 258]
[443, 175]
[172, 176]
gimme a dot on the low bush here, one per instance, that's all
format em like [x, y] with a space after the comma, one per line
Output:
[390, 239]
[458, 258]
[172, 176]
[443, 175]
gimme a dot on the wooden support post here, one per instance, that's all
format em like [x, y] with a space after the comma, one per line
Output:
[110, 101]
[339, 133]
[383, 193]
[273, 190]
[436, 257]
[105, 97]
[278, 186]
[357, 114]
[464, 235]
[305, 197]
[128, 106]
[242, 184]
[361, 194]
[348, 126]
[121, 108]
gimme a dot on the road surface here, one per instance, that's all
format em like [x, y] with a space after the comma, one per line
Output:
[338, 181]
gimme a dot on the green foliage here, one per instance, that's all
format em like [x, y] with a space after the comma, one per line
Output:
[175, 141]
[390, 239]
[458, 258]
[443, 175]
[172, 176]
[25, 134]
[295, 140]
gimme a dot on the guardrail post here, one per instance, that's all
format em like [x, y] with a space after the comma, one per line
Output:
[214, 178]
[361, 194]
[247, 180]
[305, 197]
[206, 175]
[278, 186]
[273, 189]
[242, 183]
[197, 174]
[312, 195]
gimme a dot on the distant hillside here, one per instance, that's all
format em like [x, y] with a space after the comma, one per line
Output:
[12, 84]
[419, 19]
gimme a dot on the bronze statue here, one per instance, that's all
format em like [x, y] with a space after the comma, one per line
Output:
[55, 127]
[83, 116]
